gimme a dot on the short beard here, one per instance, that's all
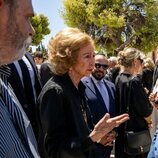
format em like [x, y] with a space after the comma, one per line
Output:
[9, 52]
[14, 43]
[22, 49]
[97, 76]
[17, 40]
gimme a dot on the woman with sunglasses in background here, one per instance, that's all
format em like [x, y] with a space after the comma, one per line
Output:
[132, 98]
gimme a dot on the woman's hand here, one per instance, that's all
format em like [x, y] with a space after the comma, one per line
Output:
[108, 139]
[105, 125]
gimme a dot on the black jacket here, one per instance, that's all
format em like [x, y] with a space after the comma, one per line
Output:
[130, 93]
[45, 72]
[64, 132]
[98, 108]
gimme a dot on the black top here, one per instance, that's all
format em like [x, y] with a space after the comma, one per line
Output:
[112, 74]
[147, 79]
[45, 72]
[65, 131]
[130, 92]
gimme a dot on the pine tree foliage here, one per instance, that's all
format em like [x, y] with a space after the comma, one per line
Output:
[40, 24]
[115, 24]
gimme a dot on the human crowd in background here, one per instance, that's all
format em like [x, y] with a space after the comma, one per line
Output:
[77, 103]
[114, 71]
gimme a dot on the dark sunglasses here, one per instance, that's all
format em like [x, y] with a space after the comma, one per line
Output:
[104, 66]
[141, 60]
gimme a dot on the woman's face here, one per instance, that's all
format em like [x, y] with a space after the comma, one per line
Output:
[138, 66]
[85, 62]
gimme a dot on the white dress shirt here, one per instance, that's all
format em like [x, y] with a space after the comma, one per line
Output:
[103, 91]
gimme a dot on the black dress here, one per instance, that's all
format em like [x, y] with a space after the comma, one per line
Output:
[139, 107]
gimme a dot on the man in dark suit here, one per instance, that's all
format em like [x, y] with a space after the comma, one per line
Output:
[24, 80]
[101, 97]
[45, 72]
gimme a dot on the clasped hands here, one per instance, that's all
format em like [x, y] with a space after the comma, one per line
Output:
[102, 132]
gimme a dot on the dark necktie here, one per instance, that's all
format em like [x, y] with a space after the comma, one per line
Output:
[104, 94]
[28, 89]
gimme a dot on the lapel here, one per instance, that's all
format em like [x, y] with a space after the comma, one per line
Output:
[91, 85]
[29, 57]
[37, 78]
[14, 77]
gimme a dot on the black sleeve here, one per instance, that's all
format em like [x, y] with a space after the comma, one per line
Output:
[45, 73]
[57, 140]
[140, 101]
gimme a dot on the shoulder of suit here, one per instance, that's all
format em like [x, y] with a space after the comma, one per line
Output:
[51, 85]
[109, 83]
[85, 79]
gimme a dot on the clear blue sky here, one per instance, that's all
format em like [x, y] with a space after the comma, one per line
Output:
[50, 8]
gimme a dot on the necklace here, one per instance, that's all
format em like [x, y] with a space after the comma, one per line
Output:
[83, 110]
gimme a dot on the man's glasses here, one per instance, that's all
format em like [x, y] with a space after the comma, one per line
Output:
[104, 66]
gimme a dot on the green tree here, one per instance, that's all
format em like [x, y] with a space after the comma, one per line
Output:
[115, 24]
[40, 23]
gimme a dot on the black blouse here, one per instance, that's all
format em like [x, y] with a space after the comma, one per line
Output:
[130, 93]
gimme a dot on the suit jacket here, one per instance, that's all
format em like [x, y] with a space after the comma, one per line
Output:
[64, 131]
[45, 72]
[28, 105]
[98, 108]
[95, 100]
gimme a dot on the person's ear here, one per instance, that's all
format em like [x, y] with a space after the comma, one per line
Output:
[134, 63]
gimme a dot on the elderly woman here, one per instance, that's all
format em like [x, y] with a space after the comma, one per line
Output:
[131, 97]
[64, 115]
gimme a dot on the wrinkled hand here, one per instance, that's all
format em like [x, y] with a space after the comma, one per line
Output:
[105, 125]
[108, 139]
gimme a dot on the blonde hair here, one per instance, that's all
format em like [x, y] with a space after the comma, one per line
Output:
[127, 56]
[148, 63]
[64, 48]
